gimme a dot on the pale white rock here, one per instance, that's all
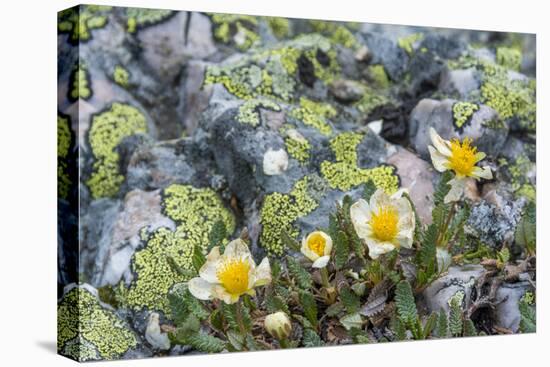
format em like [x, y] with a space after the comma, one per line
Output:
[376, 126]
[275, 162]
[154, 336]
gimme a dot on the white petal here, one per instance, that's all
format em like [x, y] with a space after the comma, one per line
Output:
[378, 248]
[321, 262]
[209, 271]
[441, 145]
[399, 193]
[457, 189]
[360, 212]
[484, 172]
[237, 249]
[328, 243]
[480, 156]
[405, 238]
[262, 273]
[201, 289]
[220, 293]
[379, 200]
[438, 160]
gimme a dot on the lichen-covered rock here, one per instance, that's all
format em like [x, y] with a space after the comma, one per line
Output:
[457, 119]
[457, 279]
[89, 329]
[507, 310]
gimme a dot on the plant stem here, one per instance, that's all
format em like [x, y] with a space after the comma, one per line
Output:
[239, 314]
[324, 277]
[443, 230]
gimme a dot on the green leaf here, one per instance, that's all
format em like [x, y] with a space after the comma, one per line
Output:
[334, 309]
[429, 326]
[217, 234]
[311, 339]
[526, 231]
[300, 275]
[310, 307]
[351, 321]
[404, 300]
[187, 327]
[528, 322]
[457, 224]
[236, 339]
[290, 242]
[206, 343]
[426, 258]
[230, 315]
[195, 306]
[341, 250]
[368, 190]
[455, 314]
[442, 324]
[399, 329]
[442, 188]
[350, 299]
[274, 303]
[198, 259]
[469, 328]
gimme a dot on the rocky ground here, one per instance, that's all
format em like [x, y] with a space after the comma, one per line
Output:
[171, 122]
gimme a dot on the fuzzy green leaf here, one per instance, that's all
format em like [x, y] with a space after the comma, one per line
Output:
[350, 300]
[341, 250]
[310, 307]
[442, 188]
[274, 303]
[455, 315]
[404, 300]
[526, 231]
[206, 343]
[198, 259]
[442, 325]
[469, 328]
[399, 329]
[430, 325]
[351, 321]
[290, 242]
[300, 275]
[528, 322]
[334, 309]
[368, 190]
[311, 339]
[217, 234]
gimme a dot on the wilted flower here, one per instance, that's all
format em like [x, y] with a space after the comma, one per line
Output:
[278, 325]
[384, 223]
[317, 247]
[461, 158]
[230, 275]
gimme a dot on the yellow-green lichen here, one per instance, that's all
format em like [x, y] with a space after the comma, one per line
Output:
[513, 98]
[378, 75]
[463, 112]
[121, 76]
[508, 57]
[80, 83]
[79, 21]
[272, 73]
[314, 114]
[85, 326]
[344, 174]
[370, 100]
[239, 30]
[280, 211]
[195, 211]
[249, 110]
[298, 148]
[279, 26]
[137, 18]
[108, 128]
[64, 143]
[519, 170]
[407, 42]
[338, 33]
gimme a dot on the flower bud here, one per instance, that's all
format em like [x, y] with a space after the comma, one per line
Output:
[278, 325]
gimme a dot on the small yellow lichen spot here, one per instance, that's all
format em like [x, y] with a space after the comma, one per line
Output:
[384, 223]
[233, 275]
[463, 157]
[316, 243]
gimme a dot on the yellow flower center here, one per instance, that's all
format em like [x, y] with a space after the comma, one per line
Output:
[233, 275]
[316, 243]
[463, 157]
[384, 223]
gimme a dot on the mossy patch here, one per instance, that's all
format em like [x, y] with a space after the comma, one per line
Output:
[378, 75]
[108, 129]
[138, 18]
[65, 141]
[80, 83]
[121, 76]
[249, 111]
[407, 43]
[237, 30]
[509, 57]
[79, 21]
[315, 114]
[195, 212]
[280, 211]
[279, 26]
[87, 331]
[298, 147]
[462, 113]
[337, 32]
[344, 174]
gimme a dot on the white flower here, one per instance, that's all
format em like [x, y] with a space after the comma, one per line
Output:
[461, 158]
[229, 276]
[278, 325]
[317, 247]
[384, 223]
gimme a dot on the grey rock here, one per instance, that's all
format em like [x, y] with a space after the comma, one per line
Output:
[346, 90]
[457, 279]
[386, 52]
[459, 83]
[507, 313]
